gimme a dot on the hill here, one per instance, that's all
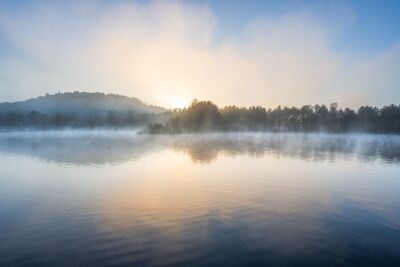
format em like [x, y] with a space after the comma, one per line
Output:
[77, 109]
[82, 102]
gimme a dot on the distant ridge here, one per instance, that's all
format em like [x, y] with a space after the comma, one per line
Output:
[84, 102]
[77, 110]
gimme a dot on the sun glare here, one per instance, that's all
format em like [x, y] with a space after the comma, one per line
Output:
[173, 100]
[177, 102]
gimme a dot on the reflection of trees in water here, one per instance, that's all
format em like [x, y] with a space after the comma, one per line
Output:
[314, 147]
[388, 150]
[112, 147]
[206, 149]
[79, 149]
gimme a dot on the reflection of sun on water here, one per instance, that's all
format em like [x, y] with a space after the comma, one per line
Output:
[176, 192]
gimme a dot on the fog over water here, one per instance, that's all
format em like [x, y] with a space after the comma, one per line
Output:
[108, 146]
[118, 198]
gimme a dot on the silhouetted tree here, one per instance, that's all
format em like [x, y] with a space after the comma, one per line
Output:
[206, 116]
[60, 110]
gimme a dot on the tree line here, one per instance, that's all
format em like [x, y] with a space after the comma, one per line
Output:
[49, 120]
[204, 116]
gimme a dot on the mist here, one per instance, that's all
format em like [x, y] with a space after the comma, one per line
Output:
[167, 53]
[98, 147]
[199, 133]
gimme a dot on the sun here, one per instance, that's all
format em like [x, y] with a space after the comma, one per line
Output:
[179, 102]
[174, 99]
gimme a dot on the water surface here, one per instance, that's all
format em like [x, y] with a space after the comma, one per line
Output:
[118, 198]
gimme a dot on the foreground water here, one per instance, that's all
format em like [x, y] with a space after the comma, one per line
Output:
[117, 198]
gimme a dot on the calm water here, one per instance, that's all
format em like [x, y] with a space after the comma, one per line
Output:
[117, 198]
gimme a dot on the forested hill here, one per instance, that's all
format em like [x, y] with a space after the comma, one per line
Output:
[76, 109]
[80, 102]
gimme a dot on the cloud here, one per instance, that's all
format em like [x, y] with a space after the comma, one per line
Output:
[169, 52]
[374, 79]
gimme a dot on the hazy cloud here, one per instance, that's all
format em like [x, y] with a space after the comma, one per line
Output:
[169, 52]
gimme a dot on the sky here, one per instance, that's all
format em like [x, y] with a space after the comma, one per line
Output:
[231, 52]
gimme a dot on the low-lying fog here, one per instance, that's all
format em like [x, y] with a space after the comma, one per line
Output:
[97, 198]
[106, 146]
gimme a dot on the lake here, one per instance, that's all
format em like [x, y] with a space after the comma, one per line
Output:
[86, 198]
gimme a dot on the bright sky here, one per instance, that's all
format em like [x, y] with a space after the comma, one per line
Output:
[228, 51]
